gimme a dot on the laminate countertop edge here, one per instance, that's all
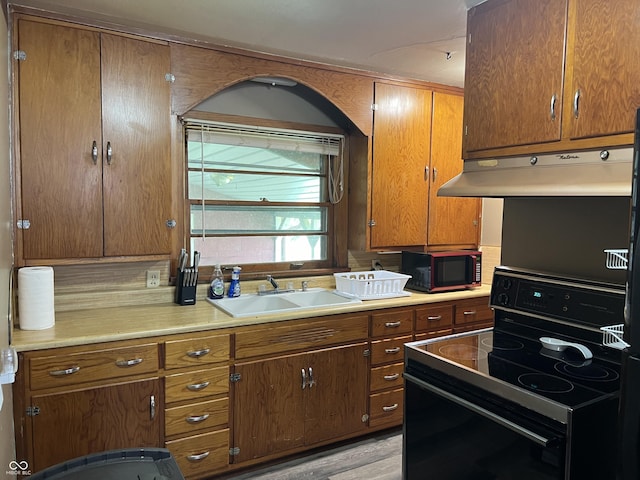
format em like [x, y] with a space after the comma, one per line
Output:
[88, 326]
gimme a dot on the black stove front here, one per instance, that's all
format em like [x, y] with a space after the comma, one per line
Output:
[497, 404]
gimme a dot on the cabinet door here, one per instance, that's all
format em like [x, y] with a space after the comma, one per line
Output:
[452, 221]
[82, 422]
[137, 176]
[59, 112]
[401, 146]
[514, 68]
[606, 66]
[268, 407]
[336, 397]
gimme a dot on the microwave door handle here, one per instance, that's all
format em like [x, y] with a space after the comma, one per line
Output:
[471, 274]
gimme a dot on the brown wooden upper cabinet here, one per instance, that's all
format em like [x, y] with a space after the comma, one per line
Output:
[550, 75]
[416, 147]
[94, 143]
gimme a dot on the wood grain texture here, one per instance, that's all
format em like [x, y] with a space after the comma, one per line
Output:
[514, 65]
[199, 350]
[214, 444]
[391, 323]
[80, 422]
[386, 376]
[202, 72]
[181, 386]
[388, 350]
[605, 65]
[386, 408]
[178, 420]
[401, 151]
[452, 221]
[137, 125]
[59, 102]
[434, 317]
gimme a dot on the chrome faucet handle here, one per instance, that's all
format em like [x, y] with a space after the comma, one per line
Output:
[273, 282]
[305, 286]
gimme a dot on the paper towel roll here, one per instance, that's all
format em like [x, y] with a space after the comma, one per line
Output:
[35, 298]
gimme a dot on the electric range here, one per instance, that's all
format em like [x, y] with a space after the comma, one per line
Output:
[499, 394]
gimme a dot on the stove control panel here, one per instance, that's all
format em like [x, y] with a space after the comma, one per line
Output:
[585, 302]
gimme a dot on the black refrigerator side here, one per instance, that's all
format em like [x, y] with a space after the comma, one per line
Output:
[629, 418]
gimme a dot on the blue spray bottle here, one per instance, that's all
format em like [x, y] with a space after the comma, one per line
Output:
[234, 286]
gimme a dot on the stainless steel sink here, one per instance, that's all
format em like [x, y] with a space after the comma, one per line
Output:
[253, 304]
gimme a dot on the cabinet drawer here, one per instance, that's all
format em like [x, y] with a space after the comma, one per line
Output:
[388, 376]
[75, 368]
[431, 319]
[473, 310]
[391, 350]
[386, 408]
[302, 336]
[196, 351]
[201, 454]
[196, 416]
[193, 385]
[391, 324]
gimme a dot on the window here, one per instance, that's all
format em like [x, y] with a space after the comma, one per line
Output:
[260, 197]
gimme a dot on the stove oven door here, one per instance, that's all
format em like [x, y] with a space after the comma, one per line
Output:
[450, 436]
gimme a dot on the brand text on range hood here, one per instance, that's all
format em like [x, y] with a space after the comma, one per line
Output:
[590, 173]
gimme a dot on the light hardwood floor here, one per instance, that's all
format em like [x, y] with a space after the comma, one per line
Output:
[374, 458]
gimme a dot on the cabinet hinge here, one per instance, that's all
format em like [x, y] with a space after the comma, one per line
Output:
[24, 224]
[366, 353]
[372, 223]
[169, 77]
[374, 106]
[33, 411]
[235, 377]
[365, 418]
[234, 451]
[19, 55]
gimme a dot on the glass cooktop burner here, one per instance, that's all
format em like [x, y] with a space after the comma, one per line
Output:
[542, 382]
[598, 373]
[502, 343]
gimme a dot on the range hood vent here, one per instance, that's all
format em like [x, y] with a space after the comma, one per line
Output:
[590, 173]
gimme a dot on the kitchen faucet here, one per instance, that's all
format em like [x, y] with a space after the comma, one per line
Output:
[276, 287]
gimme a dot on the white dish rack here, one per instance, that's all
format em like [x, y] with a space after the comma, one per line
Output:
[373, 285]
[617, 258]
[612, 337]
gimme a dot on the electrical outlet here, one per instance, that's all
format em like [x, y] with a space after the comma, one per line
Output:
[153, 278]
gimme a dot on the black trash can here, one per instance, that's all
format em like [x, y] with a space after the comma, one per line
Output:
[126, 464]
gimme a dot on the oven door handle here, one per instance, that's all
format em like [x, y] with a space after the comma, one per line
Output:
[534, 437]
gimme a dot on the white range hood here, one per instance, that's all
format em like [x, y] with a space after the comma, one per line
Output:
[569, 174]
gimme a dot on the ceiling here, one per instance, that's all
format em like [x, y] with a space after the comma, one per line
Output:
[420, 39]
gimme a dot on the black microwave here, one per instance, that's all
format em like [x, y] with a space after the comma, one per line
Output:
[442, 271]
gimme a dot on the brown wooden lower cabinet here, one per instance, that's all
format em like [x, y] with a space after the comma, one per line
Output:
[386, 408]
[80, 422]
[202, 454]
[296, 400]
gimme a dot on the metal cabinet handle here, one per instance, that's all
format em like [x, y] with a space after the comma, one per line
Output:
[304, 379]
[390, 408]
[433, 318]
[196, 457]
[194, 387]
[129, 363]
[197, 418]
[66, 371]
[469, 312]
[198, 353]
[553, 107]
[94, 152]
[435, 174]
[392, 350]
[109, 153]
[576, 103]
[312, 382]
[392, 377]
[392, 324]
[152, 406]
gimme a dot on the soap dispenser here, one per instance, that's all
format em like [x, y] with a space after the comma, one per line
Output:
[234, 286]
[216, 289]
